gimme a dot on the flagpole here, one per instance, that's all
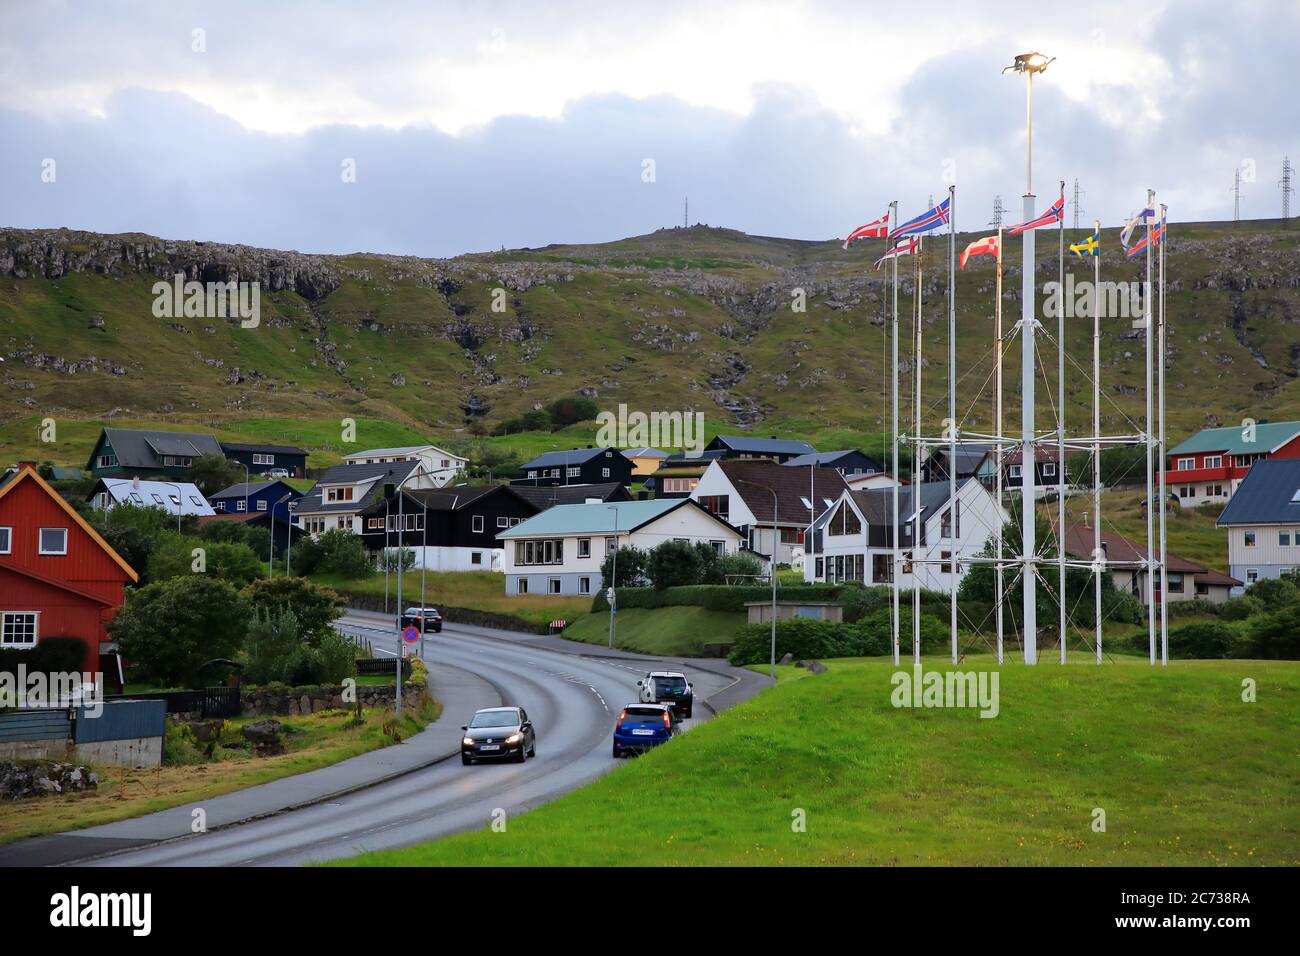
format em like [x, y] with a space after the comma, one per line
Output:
[1028, 458]
[997, 444]
[1164, 571]
[1151, 589]
[913, 506]
[952, 416]
[1060, 424]
[894, 578]
[1098, 556]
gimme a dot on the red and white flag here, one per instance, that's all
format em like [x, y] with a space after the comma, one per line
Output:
[988, 246]
[907, 247]
[876, 229]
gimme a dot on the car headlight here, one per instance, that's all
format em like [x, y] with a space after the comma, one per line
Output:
[514, 738]
[467, 741]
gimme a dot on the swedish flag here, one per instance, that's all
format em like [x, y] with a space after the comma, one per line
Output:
[1090, 247]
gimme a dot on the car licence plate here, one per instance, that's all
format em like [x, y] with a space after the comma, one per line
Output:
[490, 747]
[643, 733]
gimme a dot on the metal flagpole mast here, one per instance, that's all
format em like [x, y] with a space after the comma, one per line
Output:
[997, 431]
[913, 505]
[898, 564]
[1060, 413]
[1028, 582]
[952, 416]
[1098, 556]
[1160, 351]
[1151, 581]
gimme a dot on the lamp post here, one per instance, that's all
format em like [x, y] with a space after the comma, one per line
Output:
[270, 557]
[771, 569]
[1028, 64]
[613, 578]
[400, 528]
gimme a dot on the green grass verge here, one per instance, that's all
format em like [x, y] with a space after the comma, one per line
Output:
[1186, 773]
[672, 631]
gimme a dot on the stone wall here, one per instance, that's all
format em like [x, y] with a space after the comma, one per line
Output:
[295, 701]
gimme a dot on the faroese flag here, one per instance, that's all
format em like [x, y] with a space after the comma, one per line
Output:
[1089, 247]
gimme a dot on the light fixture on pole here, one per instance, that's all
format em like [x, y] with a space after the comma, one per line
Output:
[1028, 64]
[771, 568]
[611, 596]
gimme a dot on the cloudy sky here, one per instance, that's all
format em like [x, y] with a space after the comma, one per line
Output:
[435, 128]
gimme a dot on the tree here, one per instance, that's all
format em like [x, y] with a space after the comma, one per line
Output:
[567, 411]
[631, 568]
[240, 532]
[174, 555]
[673, 564]
[342, 552]
[167, 630]
[1275, 635]
[1122, 464]
[1200, 639]
[739, 564]
[133, 532]
[312, 605]
[390, 559]
[212, 473]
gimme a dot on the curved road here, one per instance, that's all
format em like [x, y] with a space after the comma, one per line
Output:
[573, 701]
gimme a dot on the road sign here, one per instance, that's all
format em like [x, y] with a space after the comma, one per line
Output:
[410, 634]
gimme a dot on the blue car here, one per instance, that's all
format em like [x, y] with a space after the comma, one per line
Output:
[642, 726]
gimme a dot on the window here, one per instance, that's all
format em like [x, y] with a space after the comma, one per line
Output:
[136, 498]
[1284, 538]
[604, 472]
[946, 527]
[821, 568]
[515, 521]
[446, 463]
[946, 558]
[549, 551]
[584, 585]
[1250, 539]
[54, 541]
[521, 585]
[844, 521]
[338, 493]
[157, 498]
[263, 459]
[584, 547]
[175, 499]
[552, 585]
[6, 540]
[503, 521]
[573, 471]
[476, 557]
[374, 524]
[476, 524]
[1202, 589]
[1213, 461]
[882, 568]
[107, 461]
[792, 536]
[719, 547]
[1013, 471]
[1049, 469]
[611, 545]
[1175, 583]
[241, 505]
[719, 505]
[532, 472]
[18, 628]
[1252, 575]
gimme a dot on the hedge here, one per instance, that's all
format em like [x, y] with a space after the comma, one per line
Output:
[51, 655]
[714, 597]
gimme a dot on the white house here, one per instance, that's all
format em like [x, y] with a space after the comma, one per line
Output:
[853, 540]
[171, 496]
[561, 550]
[742, 492]
[344, 491]
[1263, 522]
[441, 467]
[881, 479]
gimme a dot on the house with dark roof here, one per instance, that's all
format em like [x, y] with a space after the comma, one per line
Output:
[850, 463]
[561, 550]
[344, 491]
[1263, 521]
[748, 446]
[679, 473]
[1209, 467]
[1126, 562]
[263, 459]
[542, 497]
[257, 498]
[741, 491]
[576, 466]
[645, 461]
[448, 529]
[853, 540]
[440, 467]
[1047, 467]
[146, 453]
[968, 458]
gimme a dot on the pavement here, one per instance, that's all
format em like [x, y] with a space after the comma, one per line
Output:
[413, 791]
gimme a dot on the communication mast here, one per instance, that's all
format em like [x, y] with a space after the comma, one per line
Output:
[998, 210]
[1236, 194]
[1287, 188]
[1078, 207]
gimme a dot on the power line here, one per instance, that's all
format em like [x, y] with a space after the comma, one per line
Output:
[998, 210]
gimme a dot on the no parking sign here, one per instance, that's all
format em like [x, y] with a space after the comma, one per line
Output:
[410, 634]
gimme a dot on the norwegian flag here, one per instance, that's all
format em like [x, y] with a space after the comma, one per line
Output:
[988, 246]
[876, 229]
[907, 247]
[1055, 212]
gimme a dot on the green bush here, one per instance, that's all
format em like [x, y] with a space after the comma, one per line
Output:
[631, 563]
[1275, 635]
[180, 746]
[810, 638]
[51, 655]
[673, 564]
[1204, 640]
[714, 597]
[343, 553]
[1240, 608]
[173, 556]
[312, 605]
[1196, 607]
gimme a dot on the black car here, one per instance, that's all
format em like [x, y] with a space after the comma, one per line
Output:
[424, 618]
[498, 732]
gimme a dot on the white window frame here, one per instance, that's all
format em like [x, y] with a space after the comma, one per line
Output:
[476, 524]
[1013, 471]
[261, 505]
[7, 621]
[503, 521]
[604, 472]
[1213, 461]
[6, 540]
[1185, 464]
[1049, 469]
[241, 505]
[40, 542]
[1248, 539]
[584, 585]
[584, 547]
[553, 586]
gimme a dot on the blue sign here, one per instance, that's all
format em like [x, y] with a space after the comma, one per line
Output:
[410, 635]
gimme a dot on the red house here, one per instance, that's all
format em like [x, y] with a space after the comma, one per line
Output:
[58, 577]
[1208, 467]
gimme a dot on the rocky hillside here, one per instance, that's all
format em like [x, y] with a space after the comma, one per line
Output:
[697, 318]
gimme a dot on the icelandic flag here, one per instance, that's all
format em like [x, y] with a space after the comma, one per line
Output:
[924, 222]
[1157, 234]
[876, 229]
[1055, 212]
[905, 248]
[1144, 218]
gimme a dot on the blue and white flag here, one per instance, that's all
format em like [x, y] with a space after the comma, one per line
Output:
[1145, 218]
[925, 222]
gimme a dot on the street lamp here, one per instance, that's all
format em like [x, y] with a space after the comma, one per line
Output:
[1028, 64]
[612, 596]
[401, 501]
[270, 557]
[771, 569]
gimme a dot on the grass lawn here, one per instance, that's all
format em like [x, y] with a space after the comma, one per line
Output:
[1186, 772]
[313, 741]
[671, 631]
[478, 590]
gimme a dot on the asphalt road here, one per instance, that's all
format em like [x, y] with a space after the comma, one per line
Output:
[573, 700]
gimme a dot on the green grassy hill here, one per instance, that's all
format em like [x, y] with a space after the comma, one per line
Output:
[695, 318]
[1185, 772]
